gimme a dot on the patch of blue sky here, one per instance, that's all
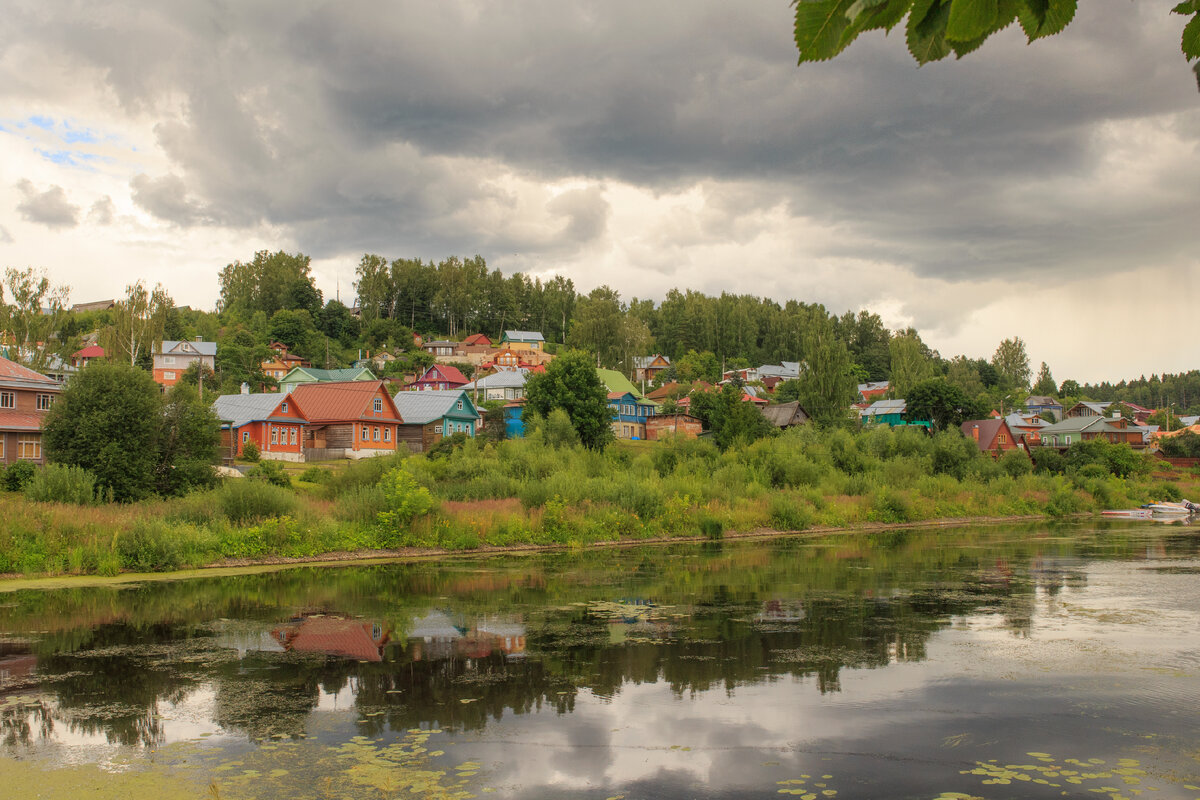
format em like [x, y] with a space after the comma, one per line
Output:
[45, 123]
[74, 158]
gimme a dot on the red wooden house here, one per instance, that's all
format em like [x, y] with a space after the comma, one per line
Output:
[477, 339]
[272, 421]
[440, 376]
[992, 435]
[350, 419]
[25, 397]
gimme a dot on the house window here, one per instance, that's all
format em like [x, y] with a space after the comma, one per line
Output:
[1002, 439]
[1068, 439]
[29, 449]
[169, 360]
[365, 434]
[168, 376]
[283, 407]
[44, 401]
[245, 436]
[387, 434]
[459, 405]
[378, 405]
[292, 436]
[375, 434]
[2, 449]
[8, 400]
[274, 436]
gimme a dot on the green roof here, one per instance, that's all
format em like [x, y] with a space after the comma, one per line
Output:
[616, 382]
[311, 374]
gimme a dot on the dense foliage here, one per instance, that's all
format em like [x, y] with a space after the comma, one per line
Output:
[570, 383]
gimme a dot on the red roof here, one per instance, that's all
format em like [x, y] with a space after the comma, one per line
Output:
[12, 371]
[477, 338]
[447, 374]
[91, 351]
[616, 395]
[20, 421]
[338, 637]
[341, 401]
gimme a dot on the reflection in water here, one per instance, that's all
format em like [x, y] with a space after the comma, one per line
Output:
[661, 668]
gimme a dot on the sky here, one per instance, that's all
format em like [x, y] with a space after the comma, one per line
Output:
[1046, 191]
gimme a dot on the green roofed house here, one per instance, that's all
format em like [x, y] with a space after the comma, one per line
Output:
[432, 415]
[301, 375]
[617, 383]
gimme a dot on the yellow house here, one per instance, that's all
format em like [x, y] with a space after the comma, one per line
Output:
[523, 340]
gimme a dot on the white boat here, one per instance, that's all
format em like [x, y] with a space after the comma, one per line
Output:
[1169, 509]
[1128, 513]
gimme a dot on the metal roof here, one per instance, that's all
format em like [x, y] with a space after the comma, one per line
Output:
[419, 408]
[881, 407]
[523, 336]
[13, 374]
[333, 375]
[243, 408]
[203, 348]
[340, 401]
[508, 379]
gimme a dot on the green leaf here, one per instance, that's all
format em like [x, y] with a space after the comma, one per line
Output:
[1191, 38]
[1188, 7]
[1032, 14]
[1006, 12]
[970, 19]
[884, 16]
[1059, 14]
[926, 32]
[819, 28]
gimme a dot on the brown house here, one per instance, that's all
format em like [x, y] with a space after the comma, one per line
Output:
[992, 435]
[663, 425]
[786, 415]
[25, 397]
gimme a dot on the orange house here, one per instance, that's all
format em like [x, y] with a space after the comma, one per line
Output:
[348, 419]
[992, 435]
[273, 422]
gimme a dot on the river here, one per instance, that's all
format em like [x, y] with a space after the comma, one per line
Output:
[995, 662]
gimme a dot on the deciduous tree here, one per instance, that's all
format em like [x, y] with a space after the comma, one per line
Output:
[570, 382]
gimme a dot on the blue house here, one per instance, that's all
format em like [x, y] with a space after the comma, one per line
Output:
[514, 422]
[629, 414]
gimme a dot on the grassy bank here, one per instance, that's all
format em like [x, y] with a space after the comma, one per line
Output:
[529, 492]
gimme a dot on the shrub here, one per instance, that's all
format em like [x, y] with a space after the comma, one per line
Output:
[446, 446]
[315, 475]
[362, 504]
[56, 483]
[1048, 460]
[890, 506]
[148, 546]
[787, 513]
[243, 500]
[363, 472]
[404, 499]
[711, 527]
[250, 452]
[270, 471]
[558, 429]
[18, 475]
[1016, 463]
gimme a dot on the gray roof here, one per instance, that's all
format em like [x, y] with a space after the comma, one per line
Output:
[641, 362]
[203, 348]
[788, 369]
[1014, 420]
[419, 408]
[1041, 400]
[242, 408]
[1189, 421]
[1076, 424]
[523, 336]
[881, 407]
[508, 379]
[872, 386]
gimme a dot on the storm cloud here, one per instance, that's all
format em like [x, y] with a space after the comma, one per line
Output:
[50, 207]
[675, 144]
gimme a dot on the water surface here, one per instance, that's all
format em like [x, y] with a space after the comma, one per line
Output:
[989, 662]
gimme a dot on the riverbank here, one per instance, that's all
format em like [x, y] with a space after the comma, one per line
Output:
[527, 495]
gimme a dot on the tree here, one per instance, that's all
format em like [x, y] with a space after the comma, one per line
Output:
[188, 446]
[597, 326]
[570, 382]
[1069, 388]
[1011, 363]
[34, 316]
[272, 281]
[1044, 385]
[108, 420]
[911, 363]
[730, 418]
[943, 404]
[937, 28]
[964, 373]
[827, 386]
[1165, 420]
[139, 323]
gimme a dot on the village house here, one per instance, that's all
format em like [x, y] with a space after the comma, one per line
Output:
[993, 436]
[477, 339]
[629, 414]
[1086, 408]
[506, 384]
[272, 421]
[281, 362]
[1071, 430]
[440, 347]
[349, 419]
[786, 415]
[439, 377]
[434, 414]
[523, 340]
[1041, 404]
[1027, 428]
[646, 368]
[25, 397]
[81, 358]
[299, 376]
[660, 426]
[872, 390]
[173, 359]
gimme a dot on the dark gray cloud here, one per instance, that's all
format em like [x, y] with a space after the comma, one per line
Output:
[50, 207]
[356, 128]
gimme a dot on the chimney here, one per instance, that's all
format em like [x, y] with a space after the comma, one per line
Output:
[975, 432]
[245, 388]
[199, 338]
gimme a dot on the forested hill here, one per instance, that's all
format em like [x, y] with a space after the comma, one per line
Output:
[273, 297]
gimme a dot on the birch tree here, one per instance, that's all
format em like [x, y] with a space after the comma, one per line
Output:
[138, 322]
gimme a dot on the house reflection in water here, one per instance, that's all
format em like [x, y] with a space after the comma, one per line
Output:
[18, 666]
[780, 611]
[334, 635]
[436, 636]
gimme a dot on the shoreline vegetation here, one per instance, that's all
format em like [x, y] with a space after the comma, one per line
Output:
[546, 491]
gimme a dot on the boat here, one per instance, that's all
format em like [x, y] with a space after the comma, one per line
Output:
[1128, 513]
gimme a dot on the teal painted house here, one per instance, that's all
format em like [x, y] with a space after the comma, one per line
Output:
[629, 414]
[434, 414]
[299, 375]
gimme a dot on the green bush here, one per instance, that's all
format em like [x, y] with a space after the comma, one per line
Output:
[362, 504]
[787, 513]
[242, 500]
[404, 499]
[1048, 460]
[18, 475]
[315, 475]
[711, 527]
[891, 506]
[447, 445]
[56, 483]
[270, 471]
[1016, 463]
[250, 452]
[363, 472]
[148, 546]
